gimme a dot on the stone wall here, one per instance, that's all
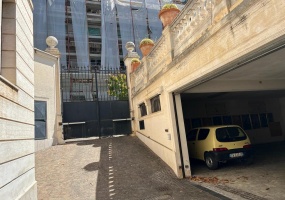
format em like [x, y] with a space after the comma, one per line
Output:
[17, 160]
[47, 89]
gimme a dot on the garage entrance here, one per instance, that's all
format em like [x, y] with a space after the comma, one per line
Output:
[259, 113]
[253, 97]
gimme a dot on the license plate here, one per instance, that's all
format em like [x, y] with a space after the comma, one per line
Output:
[236, 155]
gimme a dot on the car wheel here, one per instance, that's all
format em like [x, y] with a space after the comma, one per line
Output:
[211, 162]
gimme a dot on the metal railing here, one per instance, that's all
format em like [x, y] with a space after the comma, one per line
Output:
[93, 83]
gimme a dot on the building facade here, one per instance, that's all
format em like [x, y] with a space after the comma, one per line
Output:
[217, 63]
[17, 160]
[91, 33]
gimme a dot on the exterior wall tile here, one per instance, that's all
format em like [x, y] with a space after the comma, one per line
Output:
[13, 110]
[17, 177]
[24, 46]
[25, 69]
[24, 84]
[8, 26]
[26, 27]
[27, 13]
[9, 43]
[16, 168]
[9, 73]
[18, 187]
[11, 150]
[11, 130]
[9, 10]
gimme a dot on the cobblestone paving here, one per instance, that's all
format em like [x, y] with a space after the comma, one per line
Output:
[67, 171]
[113, 168]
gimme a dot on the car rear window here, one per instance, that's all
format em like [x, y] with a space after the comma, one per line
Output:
[203, 134]
[230, 134]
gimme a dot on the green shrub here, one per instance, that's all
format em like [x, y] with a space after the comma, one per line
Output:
[135, 60]
[117, 86]
[169, 5]
[146, 41]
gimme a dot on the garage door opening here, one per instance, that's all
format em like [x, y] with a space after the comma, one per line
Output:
[251, 96]
[261, 114]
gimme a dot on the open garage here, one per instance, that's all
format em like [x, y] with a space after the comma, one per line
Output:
[251, 95]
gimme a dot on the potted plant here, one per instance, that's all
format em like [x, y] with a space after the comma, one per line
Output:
[168, 13]
[146, 45]
[135, 62]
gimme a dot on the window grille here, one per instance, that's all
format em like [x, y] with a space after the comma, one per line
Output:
[143, 109]
[141, 123]
[155, 104]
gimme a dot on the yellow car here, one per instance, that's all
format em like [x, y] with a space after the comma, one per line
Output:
[215, 144]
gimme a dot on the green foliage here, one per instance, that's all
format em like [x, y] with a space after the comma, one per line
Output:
[169, 5]
[117, 86]
[135, 60]
[146, 41]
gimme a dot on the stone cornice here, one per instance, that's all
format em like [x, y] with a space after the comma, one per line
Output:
[45, 54]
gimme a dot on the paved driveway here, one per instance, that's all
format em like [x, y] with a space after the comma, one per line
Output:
[264, 178]
[113, 168]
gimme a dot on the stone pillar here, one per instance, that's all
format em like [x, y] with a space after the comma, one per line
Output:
[9, 47]
[52, 42]
[130, 46]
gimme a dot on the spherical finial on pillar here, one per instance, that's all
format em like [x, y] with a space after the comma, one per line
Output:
[130, 46]
[51, 41]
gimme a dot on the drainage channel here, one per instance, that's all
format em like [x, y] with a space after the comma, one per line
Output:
[241, 193]
[227, 192]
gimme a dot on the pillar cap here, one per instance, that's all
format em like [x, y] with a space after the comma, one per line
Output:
[130, 46]
[51, 42]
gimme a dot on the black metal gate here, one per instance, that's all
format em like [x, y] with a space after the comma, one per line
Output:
[95, 103]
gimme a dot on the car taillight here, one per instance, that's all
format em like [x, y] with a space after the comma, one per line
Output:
[219, 149]
[247, 146]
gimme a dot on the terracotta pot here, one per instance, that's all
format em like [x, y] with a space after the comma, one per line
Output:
[146, 48]
[135, 65]
[168, 15]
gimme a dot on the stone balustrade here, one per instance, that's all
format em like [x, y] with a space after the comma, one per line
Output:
[137, 78]
[191, 24]
[185, 33]
[159, 57]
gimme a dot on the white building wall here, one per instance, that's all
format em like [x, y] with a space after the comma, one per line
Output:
[17, 164]
[45, 90]
[160, 133]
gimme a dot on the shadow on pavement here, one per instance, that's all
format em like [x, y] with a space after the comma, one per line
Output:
[92, 166]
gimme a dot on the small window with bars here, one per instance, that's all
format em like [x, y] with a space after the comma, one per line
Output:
[155, 104]
[141, 123]
[143, 109]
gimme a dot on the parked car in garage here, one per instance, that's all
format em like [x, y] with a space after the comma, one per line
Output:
[216, 144]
